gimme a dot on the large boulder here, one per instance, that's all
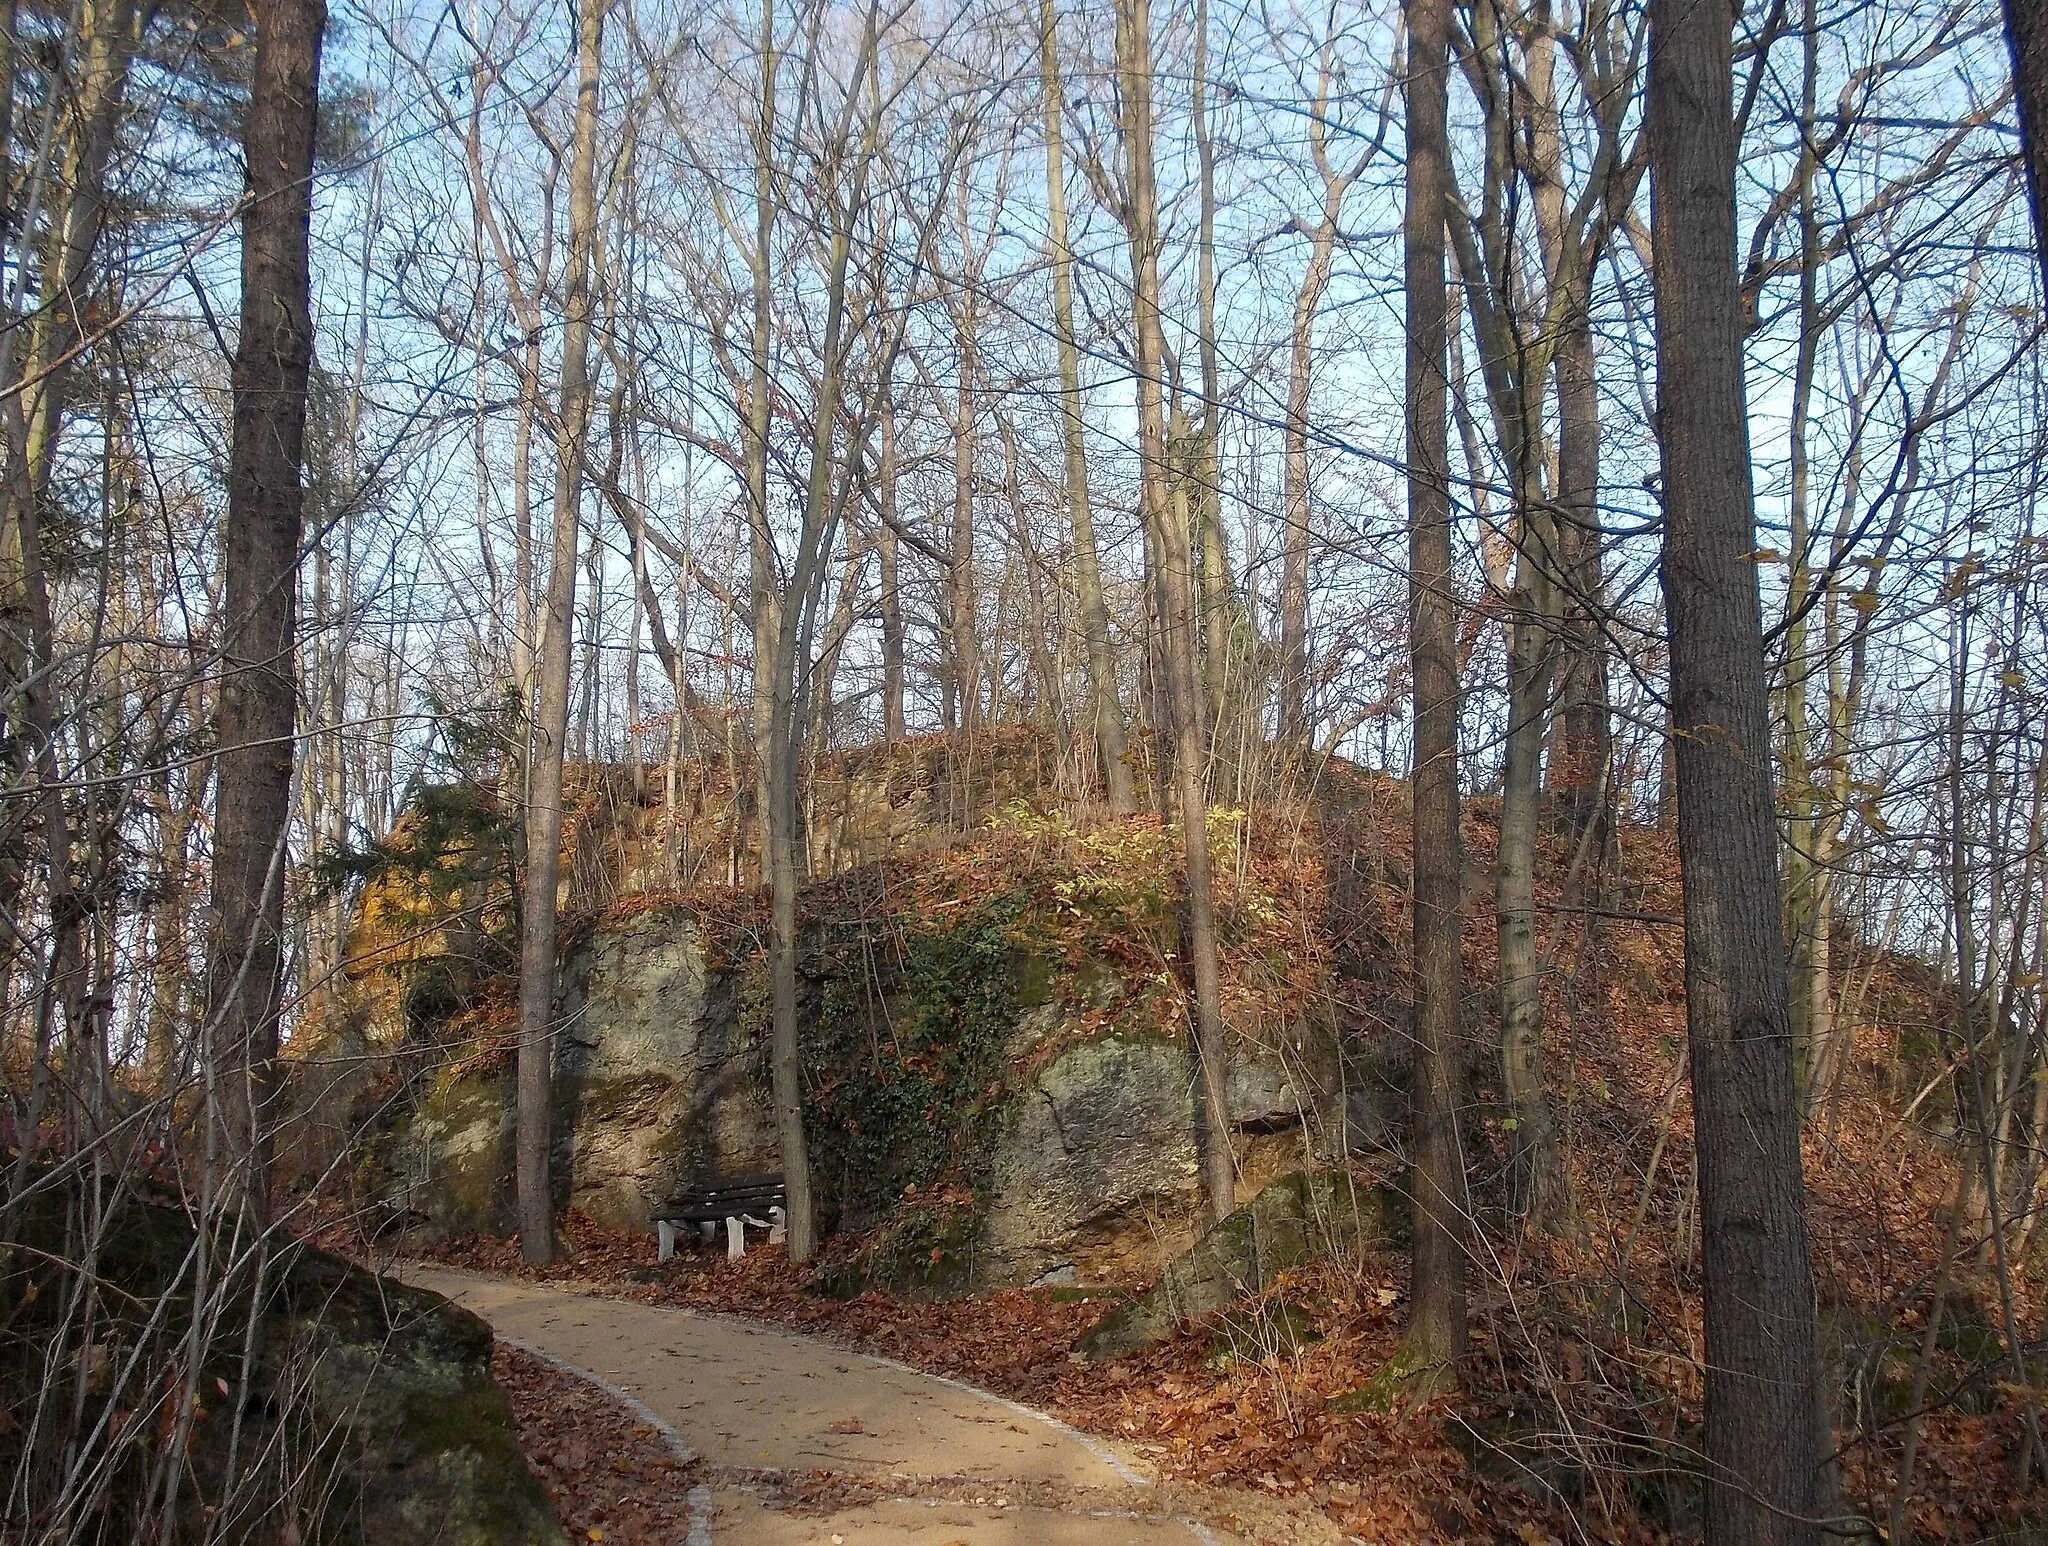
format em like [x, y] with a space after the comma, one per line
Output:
[1101, 1135]
[396, 1383]
[355, 1411]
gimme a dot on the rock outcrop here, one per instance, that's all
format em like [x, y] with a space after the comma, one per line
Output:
[657, 1084]
[995, 1079]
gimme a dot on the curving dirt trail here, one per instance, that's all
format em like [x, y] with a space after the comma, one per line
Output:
[807, 1444]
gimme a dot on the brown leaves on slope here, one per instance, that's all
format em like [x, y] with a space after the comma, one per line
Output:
[610, 1476]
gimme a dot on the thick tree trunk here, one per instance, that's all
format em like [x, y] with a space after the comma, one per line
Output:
[1174, 571]
[1111, 745]
[1436, 1328]
[540, 897]
[1762, 1450]
[2026, 34]
[258, 694]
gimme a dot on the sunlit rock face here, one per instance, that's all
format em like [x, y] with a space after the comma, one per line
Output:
[655, 1084]
[999, 1086]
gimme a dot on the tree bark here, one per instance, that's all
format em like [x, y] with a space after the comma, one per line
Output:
[1436, 1327]
[894, 728]
[258, 695]
[963, 598]
[1585, 710]
[1295, 723]
[540, 897]
[1175, 584]
[1762, 1453]
[2026, 35]
[763, 593]
[1111, 745]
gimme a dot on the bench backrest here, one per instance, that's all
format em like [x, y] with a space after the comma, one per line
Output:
[767, 1190]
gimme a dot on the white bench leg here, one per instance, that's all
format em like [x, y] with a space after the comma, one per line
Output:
[735, 1239]
[778, 1226]
[665, 1232]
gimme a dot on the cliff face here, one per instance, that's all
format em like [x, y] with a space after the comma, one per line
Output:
[998, 1085]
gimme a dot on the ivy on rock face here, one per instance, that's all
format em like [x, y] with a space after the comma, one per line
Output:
[904, 1064]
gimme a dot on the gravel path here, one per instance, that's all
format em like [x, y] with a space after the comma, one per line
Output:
[807, 1444]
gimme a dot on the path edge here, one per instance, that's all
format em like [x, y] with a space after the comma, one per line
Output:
[1129, 1474]
[698, 1498]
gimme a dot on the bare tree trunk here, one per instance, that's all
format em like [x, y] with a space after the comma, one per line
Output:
[258, 695]
[1110, 743]
[107, 39]
[1175, 579]
[893, 727]
[1584, 708]
[540, 898]
[1762, 1450]
[765, 615]
[2026, 35]
[964, 601]
[1537, 1190]
[1202, 467]
[1436, 1326]
[1295, 723]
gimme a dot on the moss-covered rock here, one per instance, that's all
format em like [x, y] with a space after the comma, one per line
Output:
[355, 1411]
[452, 1164]
[1289, 1223]
[397, 1383]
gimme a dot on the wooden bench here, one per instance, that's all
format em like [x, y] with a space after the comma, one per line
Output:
[738, 1200]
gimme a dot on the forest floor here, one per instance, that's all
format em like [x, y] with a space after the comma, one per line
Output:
[1199, 1429]
[1272, 1441]
[797, 1440]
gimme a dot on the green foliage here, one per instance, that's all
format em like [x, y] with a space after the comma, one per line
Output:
[457, 838]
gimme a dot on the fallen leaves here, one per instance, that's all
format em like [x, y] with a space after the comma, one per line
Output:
[611, 1477]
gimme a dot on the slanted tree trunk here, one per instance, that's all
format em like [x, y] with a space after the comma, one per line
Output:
[1111, 746]
[1174, 578]
[540, 897]
[259, 646]
[107, 35]
[1436, 1325]
[1762, 1450]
